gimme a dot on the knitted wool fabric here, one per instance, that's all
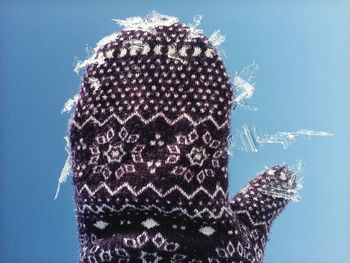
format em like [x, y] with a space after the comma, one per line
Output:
[149, 155]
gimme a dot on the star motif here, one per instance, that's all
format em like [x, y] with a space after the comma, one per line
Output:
[197, 156]
[115, 153]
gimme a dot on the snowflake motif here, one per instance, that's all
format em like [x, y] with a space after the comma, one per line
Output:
[115, 153]
[197, 156]
[100, 140]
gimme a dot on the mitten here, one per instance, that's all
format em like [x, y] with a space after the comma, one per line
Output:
[148, 141]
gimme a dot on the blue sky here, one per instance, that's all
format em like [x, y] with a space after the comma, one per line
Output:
[303, 51]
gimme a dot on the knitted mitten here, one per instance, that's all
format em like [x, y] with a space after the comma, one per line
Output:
[149, 155]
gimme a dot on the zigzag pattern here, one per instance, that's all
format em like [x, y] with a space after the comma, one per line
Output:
[147, 121]
[150, 186]
[262, 223]
[198, 214]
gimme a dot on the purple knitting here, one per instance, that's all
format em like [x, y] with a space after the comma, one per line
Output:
[149, 154]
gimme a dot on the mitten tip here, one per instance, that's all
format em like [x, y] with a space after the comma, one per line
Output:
[283, 181]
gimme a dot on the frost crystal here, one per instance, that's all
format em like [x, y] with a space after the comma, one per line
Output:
[65, 170]
[152, 20]
[244, 86]
[216, 38]
[291, 183]
[249, 139]
[286, 138]
[96, 57]
[194, 30]
[147, 24]
[95, 83]
[70, 103]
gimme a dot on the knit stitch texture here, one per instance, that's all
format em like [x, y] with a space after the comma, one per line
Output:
[149, 155]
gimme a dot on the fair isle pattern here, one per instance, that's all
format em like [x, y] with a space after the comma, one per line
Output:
[149, 155]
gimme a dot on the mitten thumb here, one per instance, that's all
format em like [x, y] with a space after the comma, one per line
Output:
[263, 198]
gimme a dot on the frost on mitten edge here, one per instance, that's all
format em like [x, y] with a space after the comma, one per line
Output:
[285, 183]
[66, 170]
[147, 24]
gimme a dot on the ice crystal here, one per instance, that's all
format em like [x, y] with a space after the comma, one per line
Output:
[70, 103]
[244, 86]
[152, 20]
[250, 139]
[216, 38]
[65, 170]
[291, 183]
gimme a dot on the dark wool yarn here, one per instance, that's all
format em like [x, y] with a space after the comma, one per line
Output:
[149, 155]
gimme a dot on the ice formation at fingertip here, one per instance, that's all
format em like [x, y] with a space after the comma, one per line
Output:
[287, 183]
